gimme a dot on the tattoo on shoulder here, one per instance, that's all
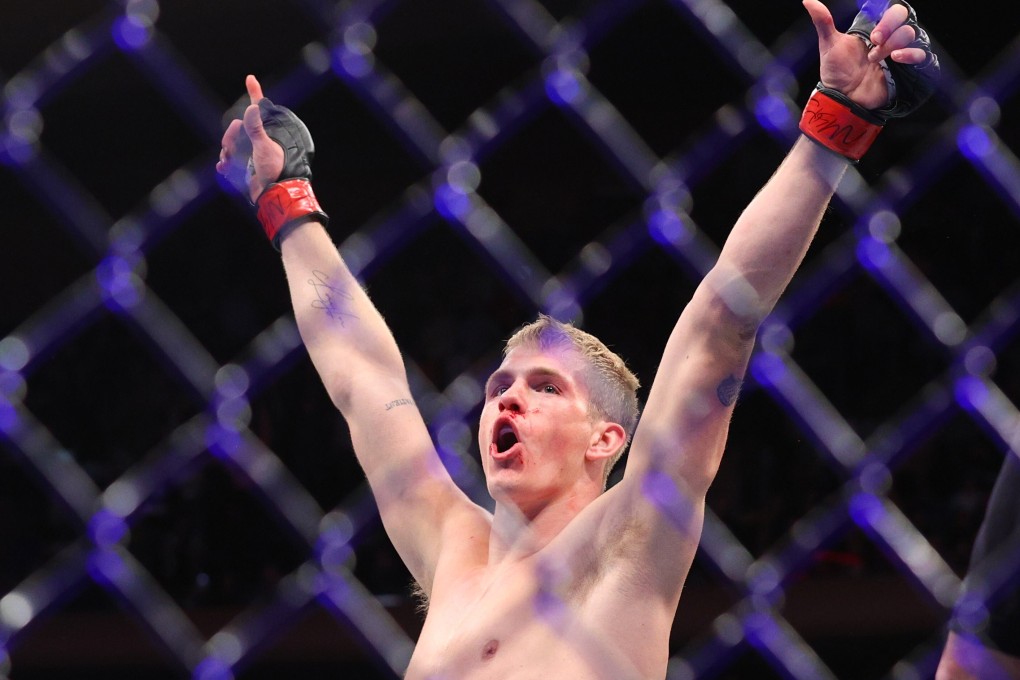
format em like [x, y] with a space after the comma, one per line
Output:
[728, 390]
[398, 402]
[329, 297]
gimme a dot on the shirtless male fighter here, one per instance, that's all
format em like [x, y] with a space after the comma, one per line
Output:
[565, 579]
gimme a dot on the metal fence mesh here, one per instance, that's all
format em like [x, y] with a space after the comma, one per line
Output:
[177, 493]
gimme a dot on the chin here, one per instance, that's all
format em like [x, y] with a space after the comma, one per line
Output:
[502, 488]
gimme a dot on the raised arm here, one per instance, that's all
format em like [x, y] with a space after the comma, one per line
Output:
[347, 339]
[684, 426]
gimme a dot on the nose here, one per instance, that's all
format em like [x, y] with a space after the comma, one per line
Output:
[513, 398]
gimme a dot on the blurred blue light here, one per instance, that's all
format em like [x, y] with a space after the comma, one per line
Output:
[333, 589]
[974, 142]
[352, 63]
[761, 628]
[336, 556]
[772, 113]
[873, 254]
[451, 461]
[866, 510]
[105, 565]
[223, 442]
[971, 393]
[116, 277]
[212, 668]
[667, 228]
[106, 528]
[24, 126]
[451, 204]
[562, 87]
[8, 416]
[16, 150]
[131, 32]
[768, 368]
[872, 9]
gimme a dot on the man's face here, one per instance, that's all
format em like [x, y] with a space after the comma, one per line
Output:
[535, 427]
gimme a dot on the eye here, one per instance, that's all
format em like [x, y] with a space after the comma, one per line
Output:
[498, 390]
[549, 388]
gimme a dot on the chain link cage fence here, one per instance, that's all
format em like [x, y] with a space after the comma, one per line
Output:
[178, 497]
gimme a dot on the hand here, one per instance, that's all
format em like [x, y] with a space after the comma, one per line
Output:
[850, 66]
[249, 158]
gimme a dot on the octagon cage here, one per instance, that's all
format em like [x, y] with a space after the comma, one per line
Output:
[179, 497]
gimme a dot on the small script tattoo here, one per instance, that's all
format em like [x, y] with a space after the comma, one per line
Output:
[329, 297]
[398, 402]
[728, 390]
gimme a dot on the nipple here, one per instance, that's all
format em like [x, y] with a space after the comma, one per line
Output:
[490, 649]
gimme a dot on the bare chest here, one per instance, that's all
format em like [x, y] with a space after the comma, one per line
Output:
[476, 627]
[521, 624]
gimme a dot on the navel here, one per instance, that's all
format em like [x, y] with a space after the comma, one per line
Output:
[490, 649]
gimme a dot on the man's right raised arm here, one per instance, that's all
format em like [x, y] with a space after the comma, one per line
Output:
[360, 365]
[349, 343]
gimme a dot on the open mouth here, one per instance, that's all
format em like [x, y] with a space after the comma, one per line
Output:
[505, 438]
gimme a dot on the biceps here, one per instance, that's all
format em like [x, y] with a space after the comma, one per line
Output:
[683, 430]
[696, 390]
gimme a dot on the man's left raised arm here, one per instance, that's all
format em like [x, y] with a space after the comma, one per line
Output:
[686, 417]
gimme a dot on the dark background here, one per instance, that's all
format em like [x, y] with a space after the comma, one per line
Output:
[96, 389]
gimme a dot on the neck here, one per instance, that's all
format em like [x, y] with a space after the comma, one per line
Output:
[518, 532]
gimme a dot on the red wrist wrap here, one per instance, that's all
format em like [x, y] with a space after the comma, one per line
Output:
[284, 203]
[836, 127]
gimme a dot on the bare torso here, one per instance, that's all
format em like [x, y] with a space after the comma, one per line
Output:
[560, 613]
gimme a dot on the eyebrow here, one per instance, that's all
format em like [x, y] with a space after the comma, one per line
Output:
[540, 371]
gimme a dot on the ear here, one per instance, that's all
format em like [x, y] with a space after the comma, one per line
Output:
[607, 439]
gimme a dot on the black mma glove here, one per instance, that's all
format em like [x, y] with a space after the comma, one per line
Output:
[914, 83]
[836, 122]
[290, 199]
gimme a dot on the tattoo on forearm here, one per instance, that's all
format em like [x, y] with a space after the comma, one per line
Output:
[728, 390]
[329, 297]
[398, 402]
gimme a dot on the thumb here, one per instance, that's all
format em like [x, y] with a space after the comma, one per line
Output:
[254, 87]
[252, 115]
[253, 124]
[822, 19]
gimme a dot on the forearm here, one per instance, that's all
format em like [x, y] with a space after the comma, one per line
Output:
[772, 235]
[344, 333]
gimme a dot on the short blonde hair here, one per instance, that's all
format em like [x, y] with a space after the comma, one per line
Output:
[612, 387]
